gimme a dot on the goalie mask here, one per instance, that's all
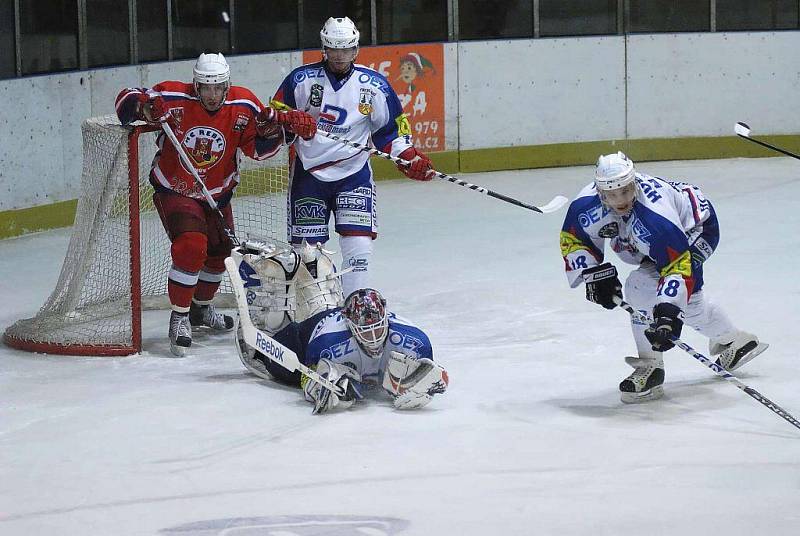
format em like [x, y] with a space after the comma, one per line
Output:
[365, 312]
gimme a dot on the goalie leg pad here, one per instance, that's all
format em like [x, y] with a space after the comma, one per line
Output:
[318, 283]
[413, 381]
[268, 274]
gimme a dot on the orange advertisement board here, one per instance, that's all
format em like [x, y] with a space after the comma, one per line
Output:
[416, 72]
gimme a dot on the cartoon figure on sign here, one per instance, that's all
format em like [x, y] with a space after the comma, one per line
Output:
[413, 67]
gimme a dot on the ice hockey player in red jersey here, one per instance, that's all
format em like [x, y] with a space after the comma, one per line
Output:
[213, 121]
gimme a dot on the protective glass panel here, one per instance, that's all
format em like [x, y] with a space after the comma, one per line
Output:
[316, 12]
[200, 26]
[407, 21]
[261, 30]
[670, 16]
[577, 17]
[151, 29]
[757, 14]
[49, 35]
[8, 58]
[107, 32]
[479, 19]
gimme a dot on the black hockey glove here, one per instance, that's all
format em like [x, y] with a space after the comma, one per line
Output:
[602, 284]
[667, 323]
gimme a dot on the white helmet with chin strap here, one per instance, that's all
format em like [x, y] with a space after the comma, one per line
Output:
[339, 32]
[211, 69]
[614, 171]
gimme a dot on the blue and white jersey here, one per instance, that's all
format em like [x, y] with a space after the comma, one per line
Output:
[361, 107]
[331, 339]
[667, 218]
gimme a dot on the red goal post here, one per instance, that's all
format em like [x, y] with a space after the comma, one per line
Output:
[118, 255]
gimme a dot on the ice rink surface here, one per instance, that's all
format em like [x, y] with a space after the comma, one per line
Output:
[530, 439]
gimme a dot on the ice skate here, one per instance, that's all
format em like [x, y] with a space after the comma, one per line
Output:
[645, 382]
[207, 316]
[739, 352]
[180, 334]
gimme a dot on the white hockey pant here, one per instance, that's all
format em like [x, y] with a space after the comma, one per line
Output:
[356, 251]
[705, 317]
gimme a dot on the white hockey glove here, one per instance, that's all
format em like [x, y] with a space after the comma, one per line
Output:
[322, 397]
[413, 382]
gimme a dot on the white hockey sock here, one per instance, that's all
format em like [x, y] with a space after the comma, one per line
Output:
[356, 251]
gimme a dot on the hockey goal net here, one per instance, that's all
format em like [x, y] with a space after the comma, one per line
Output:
[118, 255]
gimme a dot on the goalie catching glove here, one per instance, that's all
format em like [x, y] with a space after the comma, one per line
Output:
[323, 398]
[413, 382]
[419, 168]
[602, 285]
[270, 120]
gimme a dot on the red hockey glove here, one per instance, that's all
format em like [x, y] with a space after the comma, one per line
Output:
[294, 121]
[266, 125]
[155, 111]
[420, 168]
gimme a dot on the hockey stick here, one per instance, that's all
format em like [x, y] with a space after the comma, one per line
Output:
[718, 370]
[206, 194]
[743, 131]
[272, 349]
[556, 203]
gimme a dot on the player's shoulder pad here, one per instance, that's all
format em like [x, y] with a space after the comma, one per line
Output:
[405, 335]
[587, 199]
[371, 77]
[174, 88]
[306, 72]
[329, 321]
[239, 95]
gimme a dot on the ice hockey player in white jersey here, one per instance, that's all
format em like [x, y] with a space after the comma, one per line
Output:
[669, 229]
[356, 346]
[358, 104]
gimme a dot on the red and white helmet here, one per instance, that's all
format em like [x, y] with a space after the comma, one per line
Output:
[211, 69]
[365, 311]
[339, 32]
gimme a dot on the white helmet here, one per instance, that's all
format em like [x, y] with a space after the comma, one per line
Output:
[211, 69]
[365, 311]
[339, 33]
[614, 171]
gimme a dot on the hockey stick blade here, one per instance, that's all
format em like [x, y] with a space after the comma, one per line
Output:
[556, 203]
[742, 129]
[552, 206]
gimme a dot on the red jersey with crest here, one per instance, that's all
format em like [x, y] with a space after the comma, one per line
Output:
[214, 141]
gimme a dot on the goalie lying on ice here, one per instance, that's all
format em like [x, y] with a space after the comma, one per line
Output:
[354, 346]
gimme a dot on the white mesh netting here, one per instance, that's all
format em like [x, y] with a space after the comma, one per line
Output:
[94, 307]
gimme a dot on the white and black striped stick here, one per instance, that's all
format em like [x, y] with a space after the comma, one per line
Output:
[743, 131]
[718, 370]
[557, 202]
